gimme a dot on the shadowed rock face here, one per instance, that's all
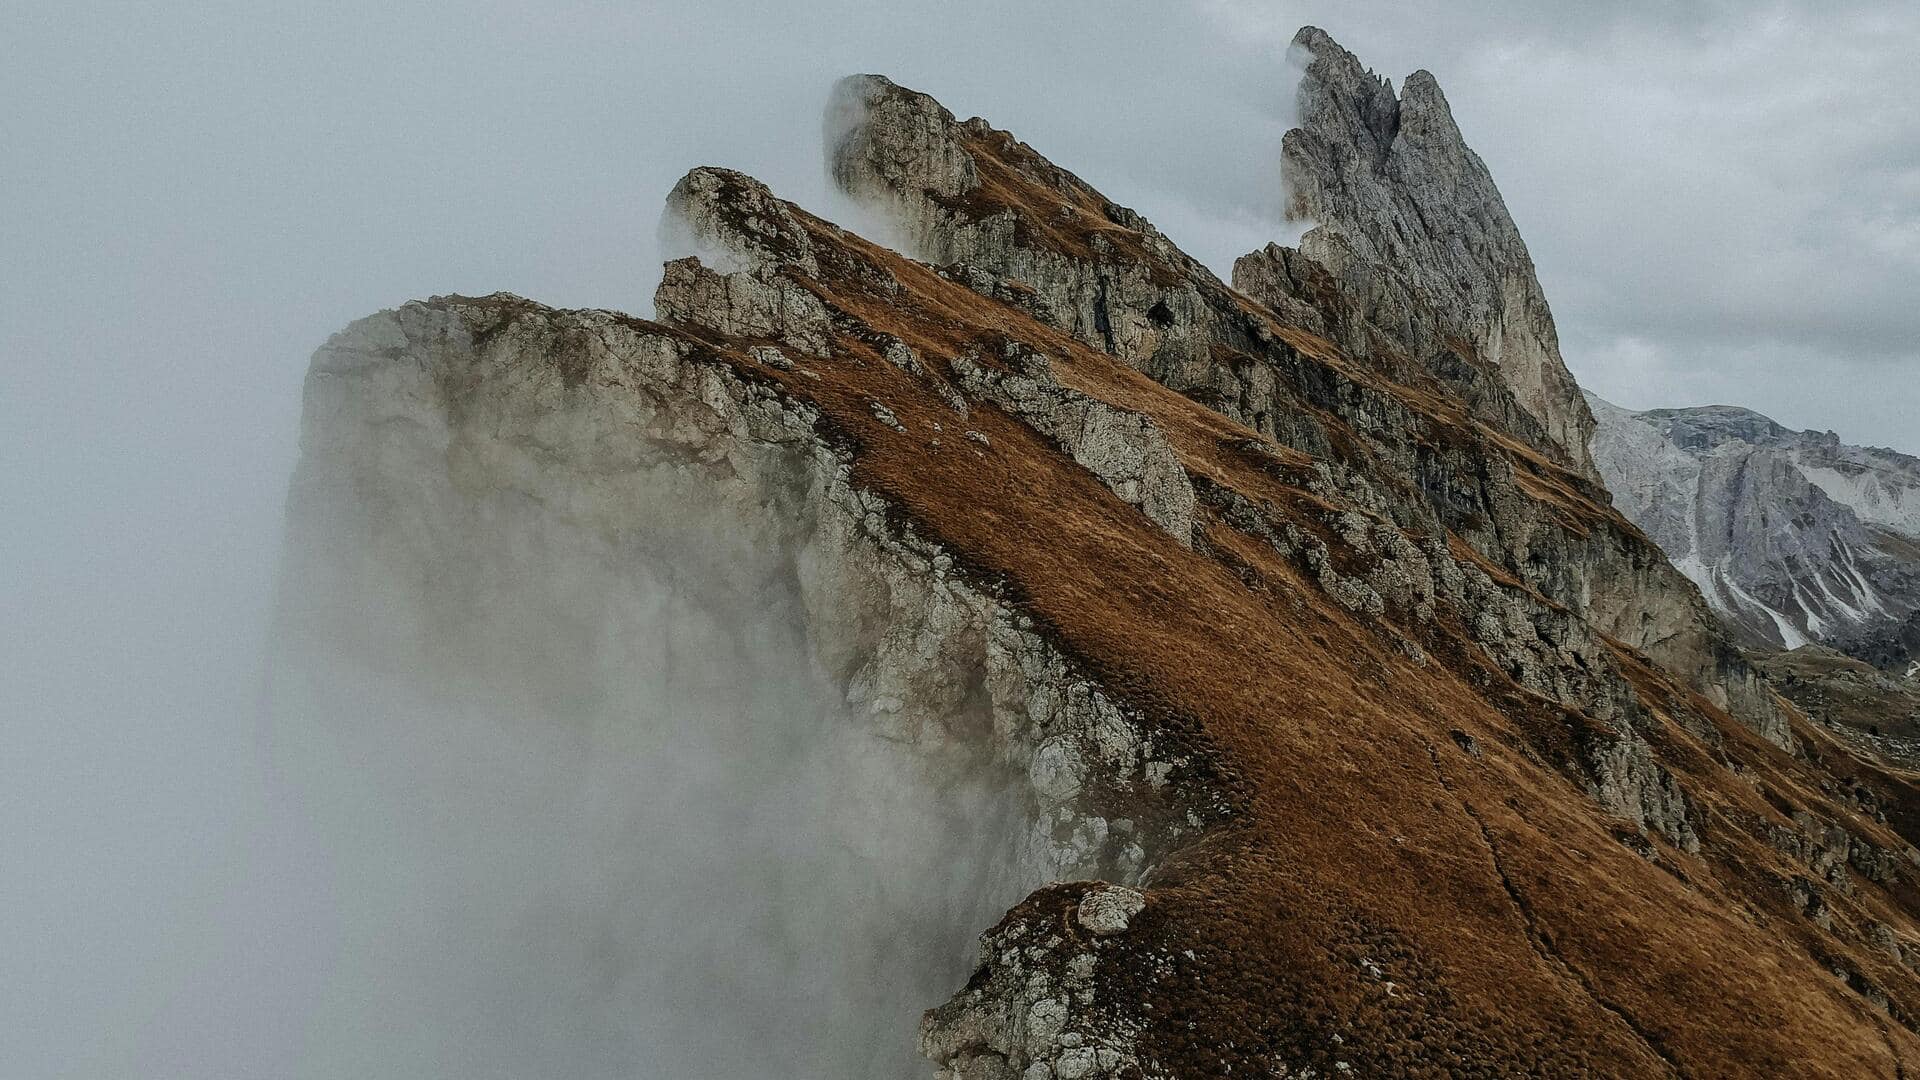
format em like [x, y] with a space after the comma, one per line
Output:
[1350, 733]
[1792, 536]
[1414, 240]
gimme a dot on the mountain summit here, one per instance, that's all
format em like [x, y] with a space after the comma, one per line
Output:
[1411, 233]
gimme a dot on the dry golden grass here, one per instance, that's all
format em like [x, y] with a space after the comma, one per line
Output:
[1517, 934]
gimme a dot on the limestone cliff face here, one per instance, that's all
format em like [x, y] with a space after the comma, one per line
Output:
[461, 449]
[1413, 237]
[1347, 729]
[1792, 536]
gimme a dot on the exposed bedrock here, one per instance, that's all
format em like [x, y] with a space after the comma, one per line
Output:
[1409, 223]
[572, 524]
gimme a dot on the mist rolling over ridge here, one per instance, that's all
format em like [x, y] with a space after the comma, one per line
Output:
[592, 805]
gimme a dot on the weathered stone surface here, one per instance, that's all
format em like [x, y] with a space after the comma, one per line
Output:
[1125, 450]
[1037, 1010]
[1629, 782]
[1007, 222]
[750, 235]
[1109, 910]
[1409, 223]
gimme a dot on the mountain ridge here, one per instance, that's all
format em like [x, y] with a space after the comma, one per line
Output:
[1352, 728]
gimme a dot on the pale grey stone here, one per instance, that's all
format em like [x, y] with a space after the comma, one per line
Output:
[1110, 909]
[1792, 536]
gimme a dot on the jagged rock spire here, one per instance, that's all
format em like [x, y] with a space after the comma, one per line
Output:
[1392, 187]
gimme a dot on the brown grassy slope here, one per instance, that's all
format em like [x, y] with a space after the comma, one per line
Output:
[1440, 913]
[1519, 935]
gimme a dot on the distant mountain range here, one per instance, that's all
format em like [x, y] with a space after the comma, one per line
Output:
[1793, 536]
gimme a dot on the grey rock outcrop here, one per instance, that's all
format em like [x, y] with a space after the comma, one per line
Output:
[1111, 909]
[1037, 1008]
[1411, 231]
[1129, 455]
[747, 233]
[1792, 536]
[1008, 223]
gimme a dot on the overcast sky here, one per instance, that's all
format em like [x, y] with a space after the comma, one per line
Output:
[1723, 200]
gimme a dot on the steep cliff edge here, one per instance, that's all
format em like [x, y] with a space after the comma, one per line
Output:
[1792, 536]
[1343, 731]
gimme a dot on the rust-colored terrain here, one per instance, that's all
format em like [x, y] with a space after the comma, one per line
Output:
[1413, 877]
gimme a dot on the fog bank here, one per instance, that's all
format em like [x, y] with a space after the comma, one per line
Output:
[588, 797]
[610, 820]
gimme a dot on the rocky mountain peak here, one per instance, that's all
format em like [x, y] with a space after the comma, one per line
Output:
[735, 217]
[1367, 105]
[878, 128]
[1391, 185]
